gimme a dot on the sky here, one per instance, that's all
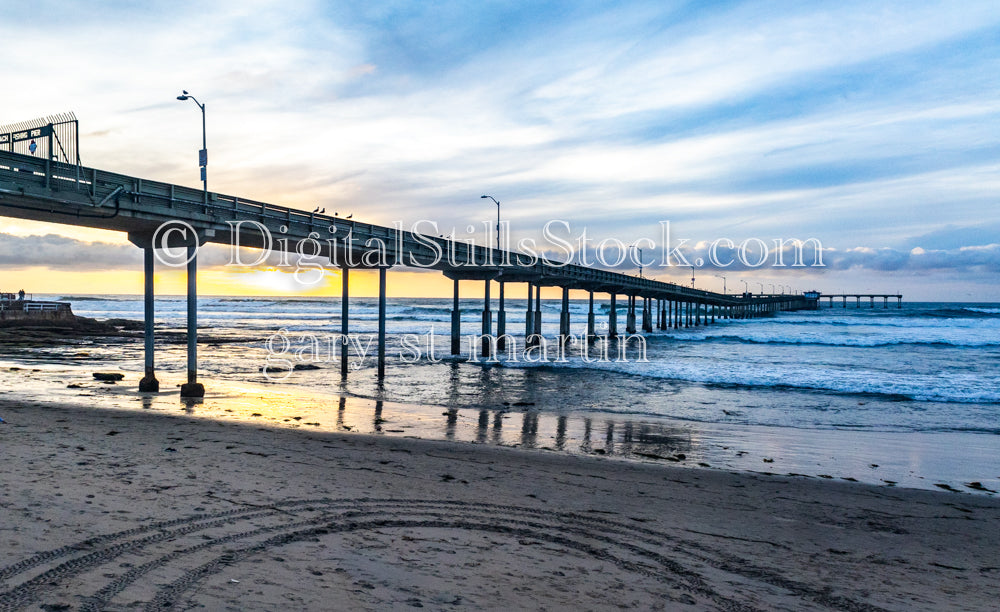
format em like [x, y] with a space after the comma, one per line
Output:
[872, 128]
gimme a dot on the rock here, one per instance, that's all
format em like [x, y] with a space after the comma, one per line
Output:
[306, 366]
[109, 376]
[126, 324]
[978, 486]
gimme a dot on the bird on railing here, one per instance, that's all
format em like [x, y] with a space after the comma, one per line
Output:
[349, 216]
[316, 210]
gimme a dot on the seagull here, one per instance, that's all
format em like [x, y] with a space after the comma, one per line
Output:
[316, 210]
[349, 216]
[323, 212]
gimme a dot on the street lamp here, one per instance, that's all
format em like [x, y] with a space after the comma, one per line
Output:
[633, 246]
[746, 287]
[498, 217]
[761, 287]
[692, 277]
[723, 282]
[203, 154]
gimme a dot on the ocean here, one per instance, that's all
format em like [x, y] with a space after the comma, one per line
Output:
[904, 396]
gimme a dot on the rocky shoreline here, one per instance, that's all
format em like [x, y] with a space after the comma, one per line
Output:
[43, 330]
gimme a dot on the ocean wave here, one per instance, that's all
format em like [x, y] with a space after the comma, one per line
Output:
[891, 386]
[858, 341]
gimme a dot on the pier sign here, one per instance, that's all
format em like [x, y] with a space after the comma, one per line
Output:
[38, 132]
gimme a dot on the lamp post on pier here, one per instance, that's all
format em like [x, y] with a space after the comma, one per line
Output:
[639, 261]
[497, 202]
[723, 282]
[203, 154]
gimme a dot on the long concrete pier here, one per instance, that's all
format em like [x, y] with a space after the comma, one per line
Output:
[870, 296]
[51, 191]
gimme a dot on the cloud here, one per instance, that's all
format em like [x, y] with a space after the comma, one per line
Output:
[860, 126]
[63, 253]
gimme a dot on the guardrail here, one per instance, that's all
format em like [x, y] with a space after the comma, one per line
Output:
[31, 305]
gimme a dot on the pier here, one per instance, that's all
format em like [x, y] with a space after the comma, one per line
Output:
[59, 192]
[871, 299]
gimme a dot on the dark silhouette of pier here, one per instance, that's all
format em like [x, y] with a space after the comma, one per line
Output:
[871, 298]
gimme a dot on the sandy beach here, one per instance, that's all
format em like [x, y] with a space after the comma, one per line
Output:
[115, 510]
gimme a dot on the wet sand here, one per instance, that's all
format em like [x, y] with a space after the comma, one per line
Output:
[112, 509]
[573, 411]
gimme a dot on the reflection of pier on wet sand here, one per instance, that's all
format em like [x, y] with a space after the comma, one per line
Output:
[523, 427]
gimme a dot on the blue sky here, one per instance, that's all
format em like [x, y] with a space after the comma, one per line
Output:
[873, 127]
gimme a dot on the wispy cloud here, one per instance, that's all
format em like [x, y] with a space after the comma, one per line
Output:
[861, 124]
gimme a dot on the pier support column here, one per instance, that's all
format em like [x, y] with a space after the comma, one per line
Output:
[647, 315]
[501, 322]
[381, 323]
[192, 388]
[591, 327]
[487, 321]
[529, 318]
[456, 321]
[148, 384]
[564, 320]
[613, 317]
[630, 316]
[345, 321]
[677, 314]
[538, 312]
[697, 314]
